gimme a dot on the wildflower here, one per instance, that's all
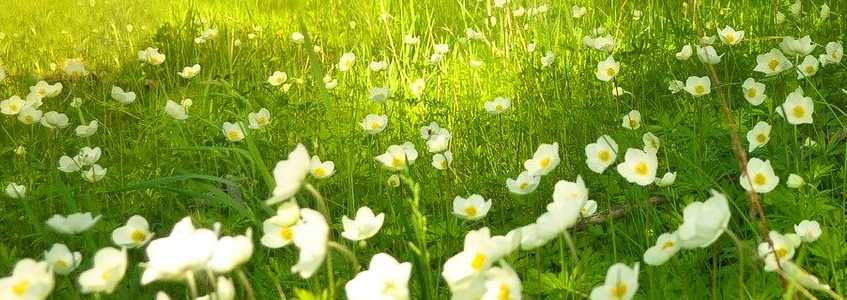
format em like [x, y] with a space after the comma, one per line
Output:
[297, 37]
[175, 110]
[797, 47]
[708, 55]
[676, 86]
[651, 142]
[30, 279]
[524, 184]
[109, 269]
[808, 231]
[545, 159]
[666, 247]
[186, 249]
[759, 177]
[795, 181]
[345, 63]
[639, 167]
[684, 53]
[666, 180]
[808, 68]
[386, 278]
[379, 94]
[772, 63]
[87, 130]
[439, 142]
[781, 250]
[754, 91]
[189, 72]
[473, 208]
[698, 86]
[797, 108]
[802, 277]
[417, 87]
[15, 191]
[730, 37]
[378, 65]
[12, 106]
[588, 209]
[411, 39]
[498, 105]
[134, 234]
[151, 56]
[607, 69]
[121, 96]
[601, 43]
[232, 132]
[30, 115]
[231, 252]
[621, 283]
[277, 78]
[62, 260]
[289, 175]
[759, 135]
[364, 226]
[74, 68]
[703, 222]
[73, 223]
[602, 154]
[320, 169]
[373, 124]
[259, 119]
[632, 120]
[501, 283]
[54, 120]
[834, 54]
[398, 157]
[311, 235]
[279, 228]
[548, 59]
[442, 161]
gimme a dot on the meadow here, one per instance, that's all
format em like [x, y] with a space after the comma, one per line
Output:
[491, 149]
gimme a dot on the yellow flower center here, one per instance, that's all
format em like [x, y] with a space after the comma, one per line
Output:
[773, 64]
[138, 236]
[810, 69]
[604, 155]
[504, 292]
[781, 252]
[751, 93]
[286, 233]
[699, 89]
[762, 138]
[478, 261]
[106, 275]
[523, 185]
[619, 290]
[14, 108]
[470, 211]
[28, 119]
[375, 125]
[262, 120]
[398, 161]
[20, 288]
[633, 123]
[545, 162]
[760, 179]
[667, 245]
[499, 107]
[611, 71]
[730, 37]
[319, 172]
[641, 168]
[798, 111]
[389, 288]
[61, 264]
[233, 135]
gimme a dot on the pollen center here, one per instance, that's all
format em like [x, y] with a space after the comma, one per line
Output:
[699, 89]
[138, 236]
[504, 292]
[545, 162]
[604, 156]
[798, 111]
[478, 262]
[641, 168]
[773, 64]
[760, 179]
[470, 211]
[619, 290]
[20, 288]
[751, 93]
[762, 138]
[286, 233]
[667, 245]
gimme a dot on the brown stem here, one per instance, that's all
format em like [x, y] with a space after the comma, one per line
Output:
[614, 213]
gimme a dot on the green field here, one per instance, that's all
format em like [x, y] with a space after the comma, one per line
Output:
[164, 167]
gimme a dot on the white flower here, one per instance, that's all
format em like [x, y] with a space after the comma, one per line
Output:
[639, 167]
[473, 208]
[151, 56]
[797, 108]
[802, 277]
[289, 174]
[808, 231]
[808, 68]
[729, 36]
[398, 157]
[189, 72]
[87, 156]
[607, 69]
[472, 34]
[759, 135]
[134, 234]
[74, 67]
[524, 184]
[545, 159]
[417, 87]
[651, 142]
[297, 37]
[797, 47]
[259, 119]
[364, 226]
[834, 54]
[311, 235]
[621, 283]
[502, 283]
[439, 142]
[87, 130]
[676, 86]
[759, 177]
[411, 39]
[796, 8]
[54, 119]
[772, 63]
[186, 249]
[29, 280]
[601, 43]
[345, 63]
[121, 96]
[175, 110]
[578, 11]
[795, 181]
[698, 86]
[666, 247]
[29, 115]
[708, 55]
[754, 91]
[588, 209]
[442, 161]
[42, 89]
[62, 260]
[224, 290]
[94, 174]
[230, 252]
[379, 94]
[73, 223]
[109, 268]
[378, 65]
[320, 169]
[548, 59]
[684, 53]
[825, 11]
[781, 252]
[464, 269]
[277, 78]
[441, 48]
[15, 191]
[385, 279]
[232, 132]
[666, 180]
[373, 124]
[498, 105]
[602, 154]
[632, 120]
[703, 222]
[12, 106]
[534, 236]
[279, 229]
[68, 165]
[329, 82]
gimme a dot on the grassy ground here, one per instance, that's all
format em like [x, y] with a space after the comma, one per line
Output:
[160, 168]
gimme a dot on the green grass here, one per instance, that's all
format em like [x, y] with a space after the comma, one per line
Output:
[165, 169]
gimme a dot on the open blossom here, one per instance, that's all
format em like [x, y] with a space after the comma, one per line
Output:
[632, 120]
[62, 260]
[548, 59]
[54, 119]
[797, 47]
[772, 63]
[277, 78]
[754, 92]
[279, 229]
[808, 231]
[379, 94]
[186, 249]
[780, 250]
[759, 177]
[588, 209]
[398, 157]
[601, 43]
[442, 161]
[759, 135]
[231, 252]
[703, 222]
[151, 56]
[189, 72]
[15, 191]
[797, 108]
[501, 283]
[74, 67]
[87, 130]
[439, 142]
[474, 207]
[109, 269]
[808, 68]
[73, 223]
[667, 245]
[259, 119]
[345, 63]
[651, 142]
[684, 53]
[289, 174]
[232, 132]
[176, 110]
[578, 11]
[320, 169]
[545, 159]
[602, 154]
[498, 105]
[708, 55]
[12, 106]
[123, 97]
[373, 124]
[698, 86]
[134, 234]
[30, 279]
[311, 235]
[364, 226]
[30, 115]
[607, 69]
[621, 283]
[385, 279]
[639, 166]
[834, 54]
[730, 36]
[524, 184]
